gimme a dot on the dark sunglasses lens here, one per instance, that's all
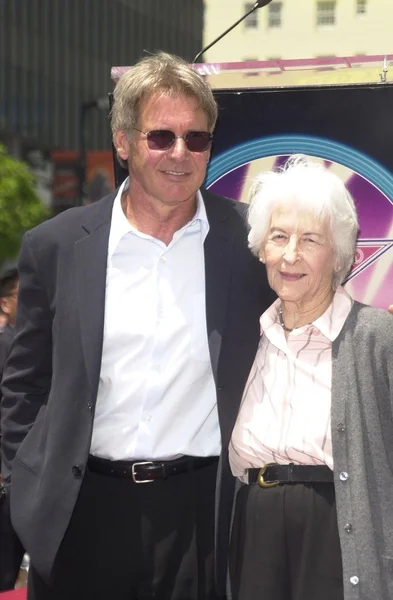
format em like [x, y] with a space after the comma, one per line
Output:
[161, 139]
[198, 141]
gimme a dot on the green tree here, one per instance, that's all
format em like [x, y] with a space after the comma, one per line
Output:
[20, 206]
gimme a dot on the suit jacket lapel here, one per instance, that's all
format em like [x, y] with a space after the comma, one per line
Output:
[91, 253]
[218, 256]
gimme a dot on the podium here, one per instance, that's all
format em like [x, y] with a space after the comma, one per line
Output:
[339, 111]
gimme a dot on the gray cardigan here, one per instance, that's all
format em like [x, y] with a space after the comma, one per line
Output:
[362, 436]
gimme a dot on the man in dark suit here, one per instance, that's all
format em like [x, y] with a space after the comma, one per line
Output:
[11, 551]
[136, 329]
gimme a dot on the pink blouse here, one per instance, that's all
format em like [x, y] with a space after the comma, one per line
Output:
[285, 411]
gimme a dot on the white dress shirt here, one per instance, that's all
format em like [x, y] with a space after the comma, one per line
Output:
[156, 397]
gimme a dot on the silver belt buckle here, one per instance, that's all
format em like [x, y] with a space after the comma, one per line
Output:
[134, 474]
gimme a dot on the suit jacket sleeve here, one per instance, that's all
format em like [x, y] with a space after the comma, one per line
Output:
[27, 375]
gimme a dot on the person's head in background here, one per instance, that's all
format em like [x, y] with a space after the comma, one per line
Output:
[162, 120]
[9, 287]
[304, 227]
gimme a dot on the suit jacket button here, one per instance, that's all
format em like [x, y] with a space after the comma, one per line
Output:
[76, 471]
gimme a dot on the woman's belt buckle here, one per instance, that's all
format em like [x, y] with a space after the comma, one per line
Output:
[261, 482]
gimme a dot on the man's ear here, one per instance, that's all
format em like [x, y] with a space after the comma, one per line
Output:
[121, 144]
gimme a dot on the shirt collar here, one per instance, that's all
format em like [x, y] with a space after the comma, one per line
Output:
[120, 226]
[329, 324]
[119, 223]
[334, 317]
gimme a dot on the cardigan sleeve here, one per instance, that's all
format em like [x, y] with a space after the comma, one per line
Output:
[373, 344]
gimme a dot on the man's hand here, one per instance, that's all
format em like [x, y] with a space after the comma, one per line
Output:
[390, 308]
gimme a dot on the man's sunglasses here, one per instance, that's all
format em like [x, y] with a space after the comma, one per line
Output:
[163, 139]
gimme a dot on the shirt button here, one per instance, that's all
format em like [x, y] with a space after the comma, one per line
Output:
[76, 471]
[148, 418]
[341, 427]
[344, 476]
[354, 580]
[348, 527]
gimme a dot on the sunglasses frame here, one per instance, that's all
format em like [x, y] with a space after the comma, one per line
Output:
[175, 137]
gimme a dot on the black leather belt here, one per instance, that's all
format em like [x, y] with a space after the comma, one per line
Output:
[148, 471]
[273, 474]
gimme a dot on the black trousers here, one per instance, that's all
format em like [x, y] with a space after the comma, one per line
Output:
[285, 544]
[136, 541]
[11, 550]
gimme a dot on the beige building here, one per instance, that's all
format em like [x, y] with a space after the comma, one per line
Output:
[298, 29]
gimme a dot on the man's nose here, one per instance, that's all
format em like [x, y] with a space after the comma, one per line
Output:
[179, 148]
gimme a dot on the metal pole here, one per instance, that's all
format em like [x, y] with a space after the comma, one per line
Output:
[85, 107]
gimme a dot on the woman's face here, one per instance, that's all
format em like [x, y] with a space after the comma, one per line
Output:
[299, 257]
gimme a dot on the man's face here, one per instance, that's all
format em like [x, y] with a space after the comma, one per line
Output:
[9, 304]
[168, 177]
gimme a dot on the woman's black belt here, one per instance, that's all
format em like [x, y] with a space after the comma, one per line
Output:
[145, 471]
[273, 474]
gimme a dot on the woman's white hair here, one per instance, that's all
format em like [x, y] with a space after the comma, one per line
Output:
[312, 188]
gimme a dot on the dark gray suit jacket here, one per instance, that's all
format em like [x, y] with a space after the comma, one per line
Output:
[51, 381]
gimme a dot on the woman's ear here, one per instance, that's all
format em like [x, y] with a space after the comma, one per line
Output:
[262, 256]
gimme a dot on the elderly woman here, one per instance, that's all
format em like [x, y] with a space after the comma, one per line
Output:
[313, 441]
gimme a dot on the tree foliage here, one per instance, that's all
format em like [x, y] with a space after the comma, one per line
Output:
[20, 206]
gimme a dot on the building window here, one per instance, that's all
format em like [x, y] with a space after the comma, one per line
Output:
[251, 22]
[361, 7]
[274, 15]
[326, 12]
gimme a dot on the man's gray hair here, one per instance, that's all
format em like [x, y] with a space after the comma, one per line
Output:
[165, 73]
[310, 187]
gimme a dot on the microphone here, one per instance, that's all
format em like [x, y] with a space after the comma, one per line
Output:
[258, 4]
